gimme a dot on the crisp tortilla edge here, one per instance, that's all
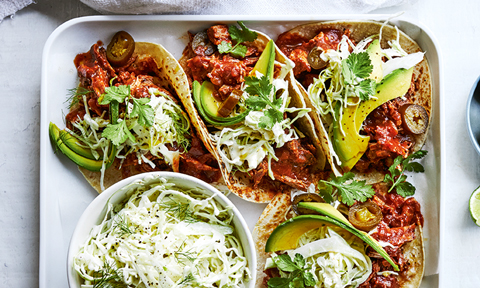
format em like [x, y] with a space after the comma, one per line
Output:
[360, 30]
[279, 210]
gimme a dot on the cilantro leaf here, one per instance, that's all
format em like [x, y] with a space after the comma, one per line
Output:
[285, 263]
[405, 189]
[115, 93]
[144, 112]
[325, 191]
[239, 51]
[260, 91]
[355, 70]
[365, 89]
[359, 65]
[224, 47]
[239, 35]
[118, 133]
[352, 191]
[298, 277]
[271, 116]
[243, 35]
[397, 177]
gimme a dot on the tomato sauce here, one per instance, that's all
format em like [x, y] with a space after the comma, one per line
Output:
[95, 74]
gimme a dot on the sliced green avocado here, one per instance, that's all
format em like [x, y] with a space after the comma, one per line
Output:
[287, 234]
[350, 145]
[72, 143]
[266, 61]
[375, 53]
[60, 138]
[89, 164]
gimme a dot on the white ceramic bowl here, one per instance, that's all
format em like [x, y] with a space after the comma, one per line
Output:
[95, 212]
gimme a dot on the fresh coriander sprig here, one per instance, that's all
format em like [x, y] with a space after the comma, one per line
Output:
[397, 173]
[355, 70]
[239, 36]
[298, 277]
[260, 91]
[350, 190]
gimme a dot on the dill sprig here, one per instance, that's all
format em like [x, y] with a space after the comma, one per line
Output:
[180, 211]
[109, 278]
[122, 224]
[74, 95]
[181, 256]
[189, 279]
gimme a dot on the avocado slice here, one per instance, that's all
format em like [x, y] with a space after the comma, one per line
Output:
[71, 143]
[206, 103]
[350, 145]
[375, 53]
[89, 164]
[287, 234]
[266, 61]
[205, 91]
[58, 137]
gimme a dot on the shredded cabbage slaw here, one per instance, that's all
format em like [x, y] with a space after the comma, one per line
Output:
[164, 236]
[245, 146]
[335, 257]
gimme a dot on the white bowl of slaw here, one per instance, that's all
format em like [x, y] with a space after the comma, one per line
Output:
[96, 211]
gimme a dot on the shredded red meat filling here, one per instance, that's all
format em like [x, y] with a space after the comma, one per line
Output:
[95, 74]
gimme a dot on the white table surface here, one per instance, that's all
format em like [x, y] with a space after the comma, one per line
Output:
[456, 25]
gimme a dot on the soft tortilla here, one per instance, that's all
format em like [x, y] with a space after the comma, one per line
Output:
[361, 30]
[279, 210]
[240, 183]
[171, 77]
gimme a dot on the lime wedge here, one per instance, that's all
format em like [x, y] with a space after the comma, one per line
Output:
[474, 206]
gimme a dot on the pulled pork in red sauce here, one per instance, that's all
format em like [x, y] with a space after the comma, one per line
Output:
[384, 125]
[227, 73]
[400, 218]
[95, 73]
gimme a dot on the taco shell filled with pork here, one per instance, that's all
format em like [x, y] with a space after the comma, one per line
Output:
[249, 119]
[369, 87]
[126, 117]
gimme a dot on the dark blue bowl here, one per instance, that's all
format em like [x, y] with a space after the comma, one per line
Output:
[473, 115]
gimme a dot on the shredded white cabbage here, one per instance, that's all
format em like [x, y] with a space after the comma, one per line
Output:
[335, 257]
[164, 236]
[169, 128]
[247, 145]
[330, 87]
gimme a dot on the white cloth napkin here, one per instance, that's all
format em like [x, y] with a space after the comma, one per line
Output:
[9, 7]
[240, 7]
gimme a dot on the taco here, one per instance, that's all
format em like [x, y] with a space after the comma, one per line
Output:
[368, 85]
[331, 254]
[126, 117]
[242, 104]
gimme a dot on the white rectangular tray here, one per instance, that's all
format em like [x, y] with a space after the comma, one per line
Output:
[64, 194]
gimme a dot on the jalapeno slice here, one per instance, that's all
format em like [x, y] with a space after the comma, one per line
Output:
[365, 216]
[414, 118]
[120, 49]
[314, 59]
[305, 197]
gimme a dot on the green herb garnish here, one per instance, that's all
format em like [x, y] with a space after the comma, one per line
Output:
[260, 91]
[74, 95]
[122, 225]
[298, 277]
[144, 112]
[349, 192]
[355, 70]
[189, 279]
[109, 277]
[181, 256]
[239, 36]
[181, 211]
[118, 133]
[397, 176]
